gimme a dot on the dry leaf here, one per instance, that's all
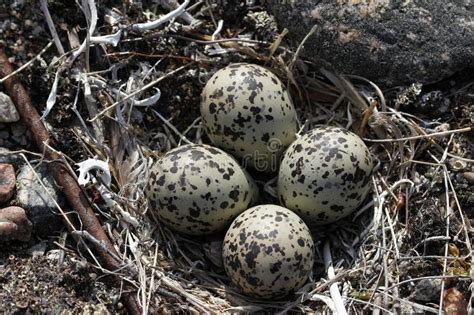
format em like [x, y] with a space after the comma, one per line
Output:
[453, 250]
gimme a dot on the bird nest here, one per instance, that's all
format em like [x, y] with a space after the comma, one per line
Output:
[123, 87]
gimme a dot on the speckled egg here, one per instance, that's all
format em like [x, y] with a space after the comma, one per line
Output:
[198, 189]
[247, 111]
[268, 251]
[325, 175]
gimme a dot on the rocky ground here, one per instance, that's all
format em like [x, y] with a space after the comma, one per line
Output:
[410, 252]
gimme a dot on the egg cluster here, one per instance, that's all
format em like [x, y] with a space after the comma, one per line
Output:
[197, 189]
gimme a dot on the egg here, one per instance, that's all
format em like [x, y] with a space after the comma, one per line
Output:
[198, 189]
[268, 252]
[325, 175]
[247, 111]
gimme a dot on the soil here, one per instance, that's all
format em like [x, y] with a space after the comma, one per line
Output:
[51, 283]
[44, 284]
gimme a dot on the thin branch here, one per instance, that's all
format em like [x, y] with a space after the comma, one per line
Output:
[149, 85]
[333, 289]
[168, 17]
[434, 134]
[52, 28]
[28, 63]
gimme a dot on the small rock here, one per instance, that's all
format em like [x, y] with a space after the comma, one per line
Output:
[94, 309]
[37, 250]
[38, 202]
[55, 256]
[469, 176]
[16, 139]
[7, 182]
[18, 129]
[427, 290]
[4, 134]
[23, 141]
[8, 111]
[14, 224]
[433, 102]
[459, 178]
[6, 156]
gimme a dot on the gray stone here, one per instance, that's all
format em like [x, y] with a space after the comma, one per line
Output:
[469, 176]
[389, 42]
[427, 290]
[37, 250]
[8, 111]
[18, 129]
[4, 134]
[38, 202]
[16, 139]
[23, 141]
[6, 156]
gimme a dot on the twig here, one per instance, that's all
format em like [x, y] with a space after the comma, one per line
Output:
[90, 11]
[144, 88]
[365, 118]
[173, 128]
[58, 167]
[300, 47]
[28, 63]
[223, 40]
[52, 29]
[448, 215]
[424, 278]
[434, 134]
[333, 289]
[168, 17]
[383, 103]
[185, 16]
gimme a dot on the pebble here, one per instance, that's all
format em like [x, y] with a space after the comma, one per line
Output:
[7, 182]
[18, 129]
[14, 224]
[55, 255]
[8, 111]
[39, 203]
[15, 136]
[469, 176]
[37, 250]
[427, 290]
[4, 134]
[10, 158]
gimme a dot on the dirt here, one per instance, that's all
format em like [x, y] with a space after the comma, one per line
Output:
[50, 283]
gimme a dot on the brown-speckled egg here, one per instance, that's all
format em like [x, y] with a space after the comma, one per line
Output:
[198, 189]
[325, 175]
[247, 111]
[268, 251]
